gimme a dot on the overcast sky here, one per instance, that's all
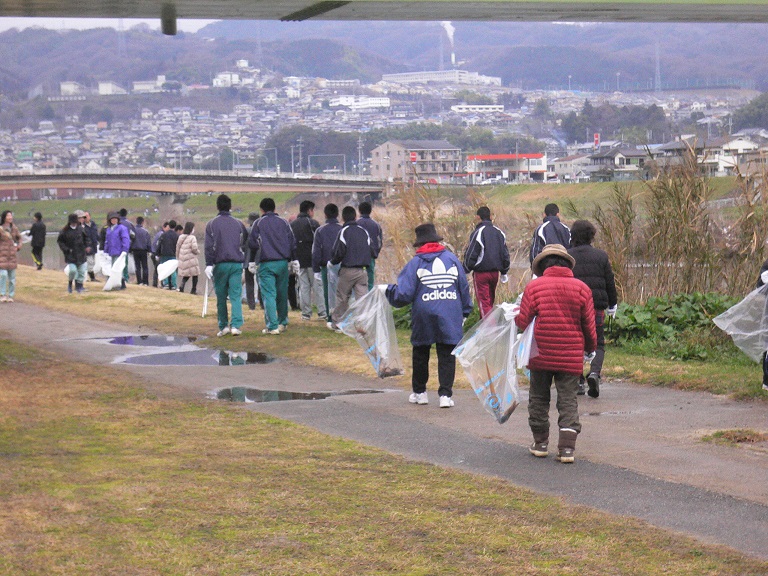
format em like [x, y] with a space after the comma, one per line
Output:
[84, 23]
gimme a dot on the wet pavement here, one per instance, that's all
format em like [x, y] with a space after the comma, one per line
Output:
[639, 453]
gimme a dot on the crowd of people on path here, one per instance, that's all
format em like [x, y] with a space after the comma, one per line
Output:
[318, 268]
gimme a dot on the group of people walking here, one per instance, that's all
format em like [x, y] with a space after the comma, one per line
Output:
[571, 292]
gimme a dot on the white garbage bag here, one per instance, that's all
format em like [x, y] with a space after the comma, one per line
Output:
[167, 268]
[115, 275]
[102, 263]
[370, 321]
[487, 353]
[747, 323]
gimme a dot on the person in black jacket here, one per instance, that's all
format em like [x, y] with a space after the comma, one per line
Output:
[353, 250]
[487, 257]
[37, 231]
[594, 269]
[551, 231]
[304, 226]
[167, 248]
[92, 230]
[73, 241]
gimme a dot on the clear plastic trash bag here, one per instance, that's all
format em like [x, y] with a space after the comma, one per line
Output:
[102, 263]
[747, 323]
[487, 353]
[165, 269]
[369, 321]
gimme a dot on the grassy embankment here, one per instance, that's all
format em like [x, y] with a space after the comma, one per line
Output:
[100, 476]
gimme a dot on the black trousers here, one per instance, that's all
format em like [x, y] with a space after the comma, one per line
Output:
[142, 269]
[155, 262]
[446, 368]
[37, 256]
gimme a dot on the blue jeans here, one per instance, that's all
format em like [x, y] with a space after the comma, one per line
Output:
[8, 279]
[77, 273]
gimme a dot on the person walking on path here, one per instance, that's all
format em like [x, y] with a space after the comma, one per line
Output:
[155, 250]
[377, 237]
[594, 269]
[249, 267]
[435, 284]
[322, 250]
[551, 231]
[142, 244]
[92, 230]
[74, 242]
[564, 330]
[167, 249]
[10, 244]
[117, 241]
[225, 238]
[37, 232]
[487, 257]
[272, 239]
[187, 254]
[353, 252]
[310, 290]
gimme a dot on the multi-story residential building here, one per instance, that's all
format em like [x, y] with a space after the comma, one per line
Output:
[433, 161]
[510, 167]
[442, 77]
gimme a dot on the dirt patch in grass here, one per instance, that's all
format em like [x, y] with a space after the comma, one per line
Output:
[100, 477]
[739, 437]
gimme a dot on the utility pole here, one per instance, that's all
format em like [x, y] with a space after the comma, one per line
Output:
[360, 155]
[301, 145]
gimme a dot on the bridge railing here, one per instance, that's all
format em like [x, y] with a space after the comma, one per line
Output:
[166, 172]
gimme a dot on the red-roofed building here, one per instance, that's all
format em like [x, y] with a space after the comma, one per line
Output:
[510, 167]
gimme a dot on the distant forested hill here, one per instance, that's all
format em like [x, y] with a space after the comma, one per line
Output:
[536, 54]
[40, 57]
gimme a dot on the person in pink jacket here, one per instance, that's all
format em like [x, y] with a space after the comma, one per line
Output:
[564, 331]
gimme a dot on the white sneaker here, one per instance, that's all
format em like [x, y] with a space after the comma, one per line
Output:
[268, 331]
[224, 331]
[446, 402]
[236, 332]
[765, 387]
[282, 328]
[4, 299]
[418, 398]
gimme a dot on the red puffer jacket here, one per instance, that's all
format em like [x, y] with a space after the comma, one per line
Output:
[565, 320]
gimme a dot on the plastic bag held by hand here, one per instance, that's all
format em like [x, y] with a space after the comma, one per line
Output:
[370, 322]
[504, 278]
[611, 312]
[252, 267]
[294, 268]
[487, 355]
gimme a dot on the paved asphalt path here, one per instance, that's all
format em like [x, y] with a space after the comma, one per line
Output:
[639, 453]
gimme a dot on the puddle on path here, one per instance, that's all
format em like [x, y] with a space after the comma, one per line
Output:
[201, 357]
[154, 341]
[243, 394]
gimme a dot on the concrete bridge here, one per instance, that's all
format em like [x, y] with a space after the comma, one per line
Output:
[19, 184]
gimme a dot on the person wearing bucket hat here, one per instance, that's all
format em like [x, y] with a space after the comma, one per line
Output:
[435, 285]
[74, 242]
[564, 329]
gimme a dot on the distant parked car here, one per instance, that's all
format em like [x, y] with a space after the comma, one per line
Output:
[491, 181]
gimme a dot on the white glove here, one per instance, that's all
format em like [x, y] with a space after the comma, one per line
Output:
[463, 320]
[764, 277]
[209, 272]
[611, 311]
[294, 267]
[318, 275]
[504, 278]
[589, 357]
[252, 267]
[328, 264]
[382, 287]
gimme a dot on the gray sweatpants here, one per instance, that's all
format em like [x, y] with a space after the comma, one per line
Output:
[350, 280]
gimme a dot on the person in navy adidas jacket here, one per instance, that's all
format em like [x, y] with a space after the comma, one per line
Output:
[435, 285]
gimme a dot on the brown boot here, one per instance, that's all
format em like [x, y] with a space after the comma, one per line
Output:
[540, 446]
[566, 445]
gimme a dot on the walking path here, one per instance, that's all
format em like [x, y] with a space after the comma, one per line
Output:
[639, 453]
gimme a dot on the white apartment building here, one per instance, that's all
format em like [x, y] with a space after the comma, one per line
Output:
[478, 108]
[110, 89]
[442, 77]
[226, 80]
[359, 102]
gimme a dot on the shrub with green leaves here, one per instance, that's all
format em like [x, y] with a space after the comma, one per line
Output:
[678, 326]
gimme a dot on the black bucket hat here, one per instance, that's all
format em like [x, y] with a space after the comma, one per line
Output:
[426, 233]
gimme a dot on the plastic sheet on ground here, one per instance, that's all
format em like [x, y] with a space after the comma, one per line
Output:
[487, 353]
[369, 321]
[115, 275]
[747, 323]
[165, 269]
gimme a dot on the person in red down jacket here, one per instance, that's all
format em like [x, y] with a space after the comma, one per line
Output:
[564, 330]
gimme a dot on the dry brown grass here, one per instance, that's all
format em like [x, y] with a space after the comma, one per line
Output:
[100, 477]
